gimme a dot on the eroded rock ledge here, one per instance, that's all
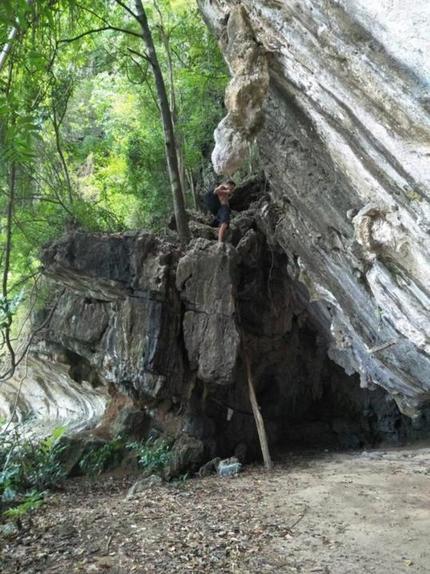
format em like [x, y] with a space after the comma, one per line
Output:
[345, 146]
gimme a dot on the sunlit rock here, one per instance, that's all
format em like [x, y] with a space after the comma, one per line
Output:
[244, 96]
[42, 395]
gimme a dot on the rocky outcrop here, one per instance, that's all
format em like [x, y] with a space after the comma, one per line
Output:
[149, 340]
[121, 312]
[45, 395]
[143, 339]
[158, 335]
[206, 279]
[245, 93]
[345, 146]
[325, 281]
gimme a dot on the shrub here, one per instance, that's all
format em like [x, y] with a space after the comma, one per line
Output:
[152, 455]
[100, 458]
[27, 468]
[31, 501]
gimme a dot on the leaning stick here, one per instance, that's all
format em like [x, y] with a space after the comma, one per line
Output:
[259, 422]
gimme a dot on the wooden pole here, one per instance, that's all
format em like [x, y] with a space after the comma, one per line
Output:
[259, 422]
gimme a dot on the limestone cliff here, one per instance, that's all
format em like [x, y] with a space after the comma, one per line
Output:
[158, 334]
[345, 144]
[325, 278]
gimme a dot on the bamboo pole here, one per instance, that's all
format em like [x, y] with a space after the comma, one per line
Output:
[259, 421]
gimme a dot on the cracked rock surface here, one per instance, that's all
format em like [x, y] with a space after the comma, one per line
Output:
[142, 331]
[345, 145]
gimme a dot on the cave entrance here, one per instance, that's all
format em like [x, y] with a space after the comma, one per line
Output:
[307, 401]
[320, 407]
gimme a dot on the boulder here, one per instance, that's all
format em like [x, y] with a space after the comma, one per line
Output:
[186, 456]
[206, 278]
[229, 467]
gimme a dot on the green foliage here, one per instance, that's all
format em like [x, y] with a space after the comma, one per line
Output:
[8, 308]
[80, 126]
[29, 464]
[32, 501]
[41, 463]
[28, 468]
[99, 459]
[152, 455]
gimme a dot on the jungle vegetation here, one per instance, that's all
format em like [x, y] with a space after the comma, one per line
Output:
[107, 109]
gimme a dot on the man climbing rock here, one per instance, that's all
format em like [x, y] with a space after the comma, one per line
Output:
[224, 193]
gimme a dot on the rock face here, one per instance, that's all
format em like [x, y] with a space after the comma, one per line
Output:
[120, 315]
[206, 280]
[245, 94]
[51, 397]
[345, 146]
[160, 335]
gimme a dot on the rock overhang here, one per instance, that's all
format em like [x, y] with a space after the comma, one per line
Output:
[345, 146]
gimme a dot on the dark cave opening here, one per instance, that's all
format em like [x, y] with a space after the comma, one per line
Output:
[333, 412]
[307, 401]
[312, 407]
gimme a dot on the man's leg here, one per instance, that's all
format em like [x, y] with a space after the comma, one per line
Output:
[222, 231]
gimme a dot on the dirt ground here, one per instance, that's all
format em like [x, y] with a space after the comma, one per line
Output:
[328, 513]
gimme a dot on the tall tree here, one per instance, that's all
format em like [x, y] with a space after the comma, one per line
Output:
[81, 139]
[164, 34]
[166, 117]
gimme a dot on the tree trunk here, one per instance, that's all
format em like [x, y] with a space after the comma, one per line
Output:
[169, 132]
[56, 126]
[192, 187]
[6, 330]
[9, 43]
[174, 114]
[173, 100]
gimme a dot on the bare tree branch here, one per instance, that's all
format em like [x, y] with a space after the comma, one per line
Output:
[10, 372]
[136, 53]
[24, 280]
[127, 9]
[96, 31]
